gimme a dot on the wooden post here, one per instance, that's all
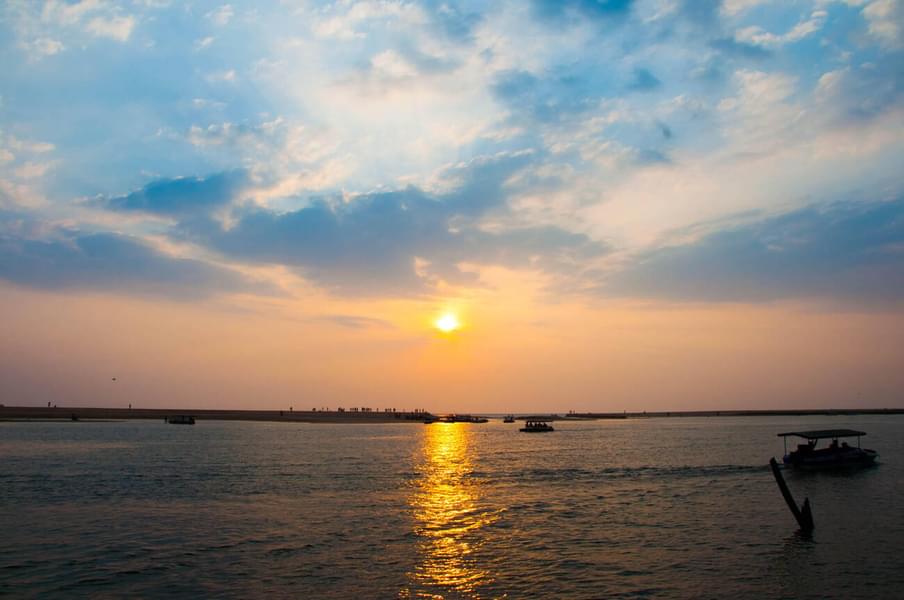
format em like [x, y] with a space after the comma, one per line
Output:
[803, 516]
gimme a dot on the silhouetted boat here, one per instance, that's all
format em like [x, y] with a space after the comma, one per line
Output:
[807, 456]
[509, 419]
[181, 420]
[536, 427]
[458, 419]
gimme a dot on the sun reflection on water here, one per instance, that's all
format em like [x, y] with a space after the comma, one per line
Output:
[447, 516]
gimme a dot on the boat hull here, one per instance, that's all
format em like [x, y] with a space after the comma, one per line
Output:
[852, 459]
[180, 420]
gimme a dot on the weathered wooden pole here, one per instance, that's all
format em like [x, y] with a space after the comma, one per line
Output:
[803, 515]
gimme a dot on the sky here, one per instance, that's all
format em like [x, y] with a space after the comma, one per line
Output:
[626, 204]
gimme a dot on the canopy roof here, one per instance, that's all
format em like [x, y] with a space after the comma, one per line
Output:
[820, 434]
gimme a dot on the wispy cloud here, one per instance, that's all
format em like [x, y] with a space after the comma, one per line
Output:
[116, 28]
[221, 15]
[225, 76]
[355, 321]
[758, 36]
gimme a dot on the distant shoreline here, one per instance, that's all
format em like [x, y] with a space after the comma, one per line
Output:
[61, 413]
[741, 413]
[66, 413]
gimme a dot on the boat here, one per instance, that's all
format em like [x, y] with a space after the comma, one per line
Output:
[468, 419]
[181, 420]
[458, 419]
[509, 419]
[536, 427]
[808, 456]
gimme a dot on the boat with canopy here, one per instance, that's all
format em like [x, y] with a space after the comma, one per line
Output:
[808, 456]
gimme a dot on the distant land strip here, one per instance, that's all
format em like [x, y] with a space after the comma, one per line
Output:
[793, 412]
[8, 413]
[303, 416]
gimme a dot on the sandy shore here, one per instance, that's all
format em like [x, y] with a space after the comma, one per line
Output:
[302, 416]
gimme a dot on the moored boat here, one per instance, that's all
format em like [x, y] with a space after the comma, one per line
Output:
[180, 420]
[509, 419]
[835, 455]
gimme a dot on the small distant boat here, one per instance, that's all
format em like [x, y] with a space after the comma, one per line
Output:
[509, 419]
[807, 456]
[536, 427]
[181, 420]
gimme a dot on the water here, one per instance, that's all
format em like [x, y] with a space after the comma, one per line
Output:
[665, 508]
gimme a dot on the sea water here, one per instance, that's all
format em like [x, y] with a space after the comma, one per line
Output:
[664, 508]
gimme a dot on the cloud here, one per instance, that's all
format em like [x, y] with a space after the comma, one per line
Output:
[48, 28]
[345, 20]
[886, 21]
[739, 49]
[115, 28]
[285, 157]
[443, 82]
[204, 42]
[453, 22]
[46, 47]
[32, 170]
[71, 260]
[69, 13]
[28, 146]
[644, 81]
[183, 195]
[225, 76]
[759, 37]
[561, 93]
[400, 242]
[232, 134]
[736, 7]
[849, 251]
[355, 321]
[858, 93]
[222, 15]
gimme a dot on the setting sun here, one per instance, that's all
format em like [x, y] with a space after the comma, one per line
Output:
[447, 323]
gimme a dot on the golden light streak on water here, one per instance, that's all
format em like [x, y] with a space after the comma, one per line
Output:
[448, 518]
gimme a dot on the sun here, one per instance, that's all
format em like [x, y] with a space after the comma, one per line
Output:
[447, 323]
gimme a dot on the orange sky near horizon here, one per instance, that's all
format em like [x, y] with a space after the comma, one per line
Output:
[513, 353]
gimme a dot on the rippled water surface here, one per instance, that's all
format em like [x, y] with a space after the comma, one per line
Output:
[669, 508]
